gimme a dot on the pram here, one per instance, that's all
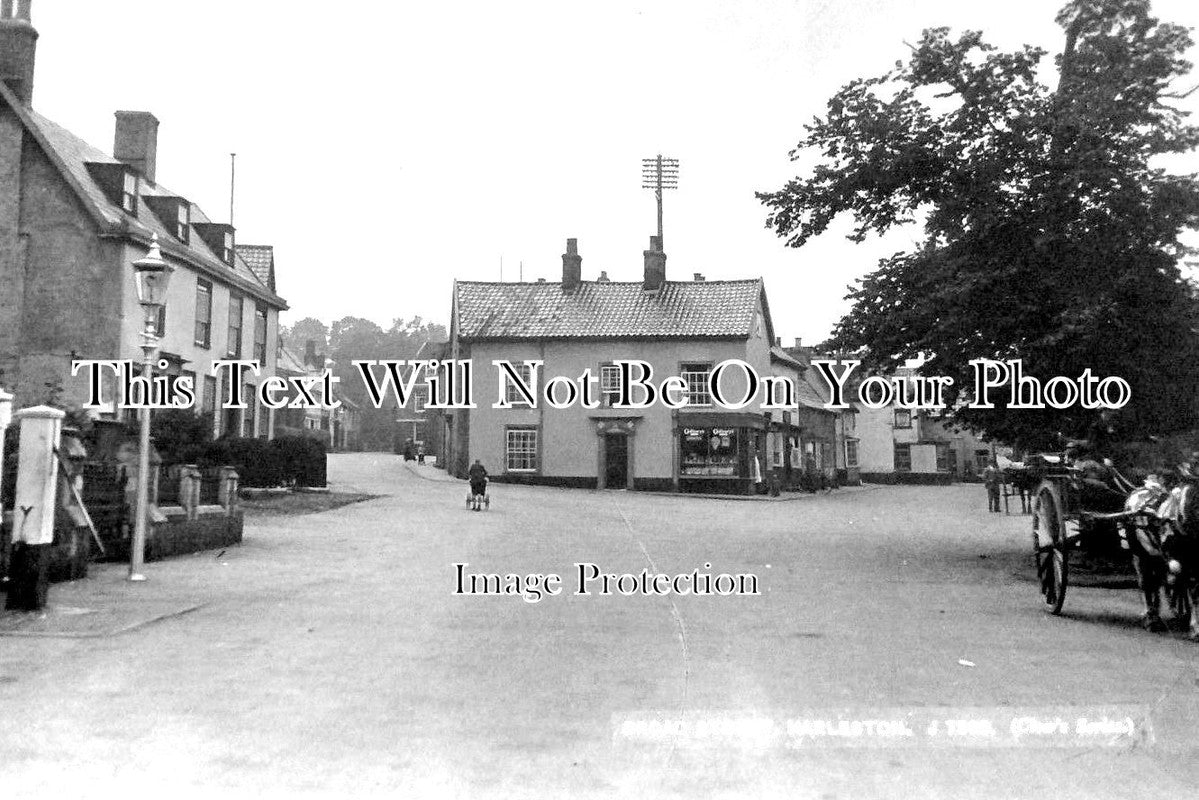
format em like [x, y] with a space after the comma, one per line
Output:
[478, 501]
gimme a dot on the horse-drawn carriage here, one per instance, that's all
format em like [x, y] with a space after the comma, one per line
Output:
[1081, 503]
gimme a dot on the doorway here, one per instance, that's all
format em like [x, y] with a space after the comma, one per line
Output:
[616, 461]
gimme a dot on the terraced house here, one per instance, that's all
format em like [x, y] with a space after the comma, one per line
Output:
[681, 328]
[73, 218]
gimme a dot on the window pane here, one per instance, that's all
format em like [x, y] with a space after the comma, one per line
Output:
[521, 449]
[511, 393]
[610, 383]
[696, 378]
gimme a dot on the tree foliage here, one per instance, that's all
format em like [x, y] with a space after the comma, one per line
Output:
[1050, 229]
[352, 338]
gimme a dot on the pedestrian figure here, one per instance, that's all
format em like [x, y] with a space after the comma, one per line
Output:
[478, 482]
[992, 479]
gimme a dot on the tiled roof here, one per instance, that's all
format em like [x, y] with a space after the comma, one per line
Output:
[71, 154]
[809, 392]
[290, 362]
[260, 258]
[607, 310]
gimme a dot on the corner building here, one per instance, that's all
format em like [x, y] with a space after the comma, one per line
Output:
[681, 328]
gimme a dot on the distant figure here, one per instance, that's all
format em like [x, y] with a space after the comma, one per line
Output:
[478, 481]
[420, 454]
[992, 479]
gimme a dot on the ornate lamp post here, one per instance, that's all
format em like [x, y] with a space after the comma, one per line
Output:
[153, 276]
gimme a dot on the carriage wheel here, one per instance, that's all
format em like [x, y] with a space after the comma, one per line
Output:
[1049, 546]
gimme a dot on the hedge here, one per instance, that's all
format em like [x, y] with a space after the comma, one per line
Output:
[262, 463]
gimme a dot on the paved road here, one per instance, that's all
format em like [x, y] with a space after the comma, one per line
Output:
[332, 660]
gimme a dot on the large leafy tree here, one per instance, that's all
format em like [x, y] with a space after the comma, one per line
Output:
[1050, 228]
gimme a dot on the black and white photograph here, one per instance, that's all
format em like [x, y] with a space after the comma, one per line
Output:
[650, 398]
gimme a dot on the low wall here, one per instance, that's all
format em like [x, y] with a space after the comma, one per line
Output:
[178, 536]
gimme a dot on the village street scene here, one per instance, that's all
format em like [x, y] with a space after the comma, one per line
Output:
[790, 400]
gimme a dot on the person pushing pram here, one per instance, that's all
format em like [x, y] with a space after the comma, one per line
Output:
[478, 486]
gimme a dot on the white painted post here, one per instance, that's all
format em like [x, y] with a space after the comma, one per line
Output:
[34, 507]
[5, 419]
[37, 475]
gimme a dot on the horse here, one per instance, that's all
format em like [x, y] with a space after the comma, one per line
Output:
[1162, 535]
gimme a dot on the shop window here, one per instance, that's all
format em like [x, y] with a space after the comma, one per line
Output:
[851, 452]
[520, 450]
[903, 418]
[708, 452]
[903, 458]
[695, 376]
[609, 384]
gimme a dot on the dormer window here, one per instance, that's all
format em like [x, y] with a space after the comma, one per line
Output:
[220, 240]
[129, 193]
[183, 221]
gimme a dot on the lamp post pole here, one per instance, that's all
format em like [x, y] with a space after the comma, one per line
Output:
[153, 275]
[138, 547]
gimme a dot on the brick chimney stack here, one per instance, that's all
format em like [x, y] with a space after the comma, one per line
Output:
[655, 266]
[136, 142]
[18, 46]
[572, 266]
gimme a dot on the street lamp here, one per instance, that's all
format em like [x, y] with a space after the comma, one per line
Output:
[153, 276]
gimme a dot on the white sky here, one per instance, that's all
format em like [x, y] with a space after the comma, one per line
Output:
[386, 148]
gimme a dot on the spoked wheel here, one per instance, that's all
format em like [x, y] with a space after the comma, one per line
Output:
[1050, 547]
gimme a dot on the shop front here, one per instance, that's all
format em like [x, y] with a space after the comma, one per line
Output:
[720, 453]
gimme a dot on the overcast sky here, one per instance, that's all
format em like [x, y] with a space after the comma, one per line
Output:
[386, 148]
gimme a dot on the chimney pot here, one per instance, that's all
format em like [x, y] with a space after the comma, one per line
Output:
[798, 342]
[572, 266]
[136, 142]
[541, 280]
[699, 276]
[603, 278]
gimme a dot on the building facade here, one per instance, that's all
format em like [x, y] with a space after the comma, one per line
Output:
[338, 428]
[900, 445]
[681, 328]
[74, 218]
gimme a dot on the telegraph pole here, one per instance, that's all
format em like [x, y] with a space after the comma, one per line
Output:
[659, 173]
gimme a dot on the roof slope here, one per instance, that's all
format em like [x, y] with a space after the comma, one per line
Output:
[607, 310]
[70, 155]
[260, 258]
